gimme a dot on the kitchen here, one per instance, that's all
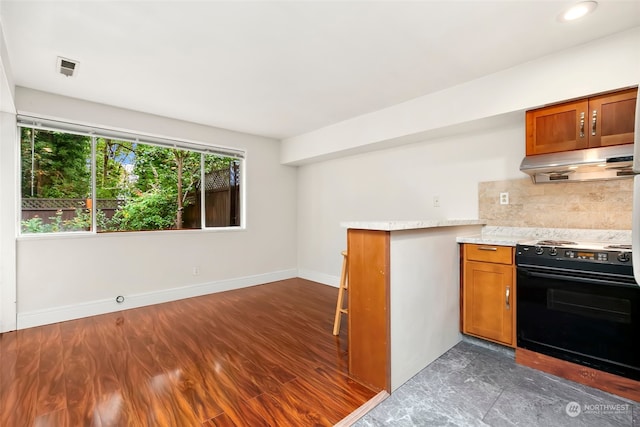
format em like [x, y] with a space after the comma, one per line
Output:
[452, 147]
[602, 208]
[576, 310]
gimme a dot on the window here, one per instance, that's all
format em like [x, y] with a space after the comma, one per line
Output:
[80, 179]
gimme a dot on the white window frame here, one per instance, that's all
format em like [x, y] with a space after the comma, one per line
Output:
[31, 122]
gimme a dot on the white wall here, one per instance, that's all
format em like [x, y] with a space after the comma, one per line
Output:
[8, 206]
[397, 184]
[7, 86]
[425, 309]
[72, 276]
[7, 199]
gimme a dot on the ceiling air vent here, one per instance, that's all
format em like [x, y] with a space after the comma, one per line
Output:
[67, 67]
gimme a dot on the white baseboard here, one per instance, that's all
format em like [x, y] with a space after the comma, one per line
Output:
[92, 308]
[314, 276]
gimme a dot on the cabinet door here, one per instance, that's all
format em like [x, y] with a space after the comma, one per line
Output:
[612, 118]
[489, 301]
[561, 127]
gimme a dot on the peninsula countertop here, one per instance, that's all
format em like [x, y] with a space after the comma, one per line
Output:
[409, 225]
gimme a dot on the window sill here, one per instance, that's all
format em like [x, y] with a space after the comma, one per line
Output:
[87, 234]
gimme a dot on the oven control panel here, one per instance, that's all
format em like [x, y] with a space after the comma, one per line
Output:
[532, 252]
[587, 255]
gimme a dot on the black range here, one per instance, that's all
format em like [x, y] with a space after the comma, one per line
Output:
[579, 302]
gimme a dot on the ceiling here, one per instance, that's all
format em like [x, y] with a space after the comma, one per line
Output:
[281, 69]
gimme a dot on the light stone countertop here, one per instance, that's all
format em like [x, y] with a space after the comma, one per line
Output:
[495, 235]
[409, 225]
[481, 239]
[510, 236]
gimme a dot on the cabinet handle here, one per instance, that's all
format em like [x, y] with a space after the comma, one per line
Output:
[594, 120]
[582, 125]
[487, 248]
[507, 293]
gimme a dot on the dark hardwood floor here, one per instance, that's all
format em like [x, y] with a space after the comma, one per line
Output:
[259, 356]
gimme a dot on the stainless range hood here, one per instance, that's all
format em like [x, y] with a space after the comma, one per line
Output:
[601, 163]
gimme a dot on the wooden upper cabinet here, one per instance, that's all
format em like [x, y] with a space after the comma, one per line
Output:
[612, 118]
[557, 128]
[585, 123]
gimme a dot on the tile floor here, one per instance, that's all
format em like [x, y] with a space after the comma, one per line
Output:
[474, 384]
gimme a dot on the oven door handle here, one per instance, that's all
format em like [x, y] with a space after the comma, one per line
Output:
[573, 278]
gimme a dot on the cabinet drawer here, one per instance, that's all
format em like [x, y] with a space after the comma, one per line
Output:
[489, 253]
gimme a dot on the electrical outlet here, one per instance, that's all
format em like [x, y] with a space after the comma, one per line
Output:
[436, 201]
[196, 271]
[504, 198]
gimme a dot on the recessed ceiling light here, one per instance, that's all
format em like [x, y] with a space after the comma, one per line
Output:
[577, 11]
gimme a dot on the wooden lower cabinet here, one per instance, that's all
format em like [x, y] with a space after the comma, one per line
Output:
[488, 293]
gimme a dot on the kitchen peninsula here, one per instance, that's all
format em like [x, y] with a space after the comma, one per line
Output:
[404, 296]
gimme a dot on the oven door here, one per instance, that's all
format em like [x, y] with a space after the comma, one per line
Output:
[592, 319]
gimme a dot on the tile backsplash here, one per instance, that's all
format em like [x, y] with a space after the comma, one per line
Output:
[591, 204]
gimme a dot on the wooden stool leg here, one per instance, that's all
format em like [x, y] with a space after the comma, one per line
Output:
[341, 290]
